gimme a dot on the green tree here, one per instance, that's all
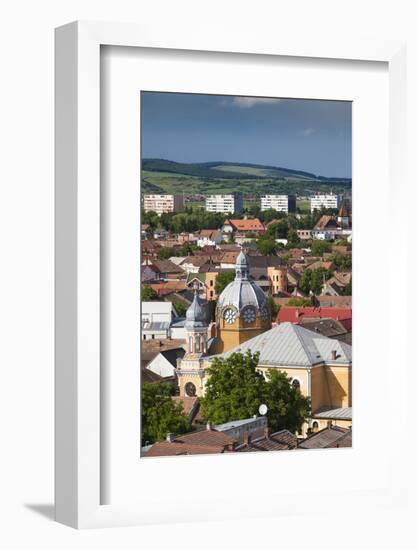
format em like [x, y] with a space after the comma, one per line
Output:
[180, 307]
[342, 263]
[299, 302]
[160, 414]
[287, 407]
[222, 280]
[148, 293]
[279, 230]
[234, 389]
[318, 248]
[166, 252]
[293, 238]
[273, 307]
[313, 280]
[266, 246]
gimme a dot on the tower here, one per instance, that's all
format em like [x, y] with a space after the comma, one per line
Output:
[190, 370]
[242, 309]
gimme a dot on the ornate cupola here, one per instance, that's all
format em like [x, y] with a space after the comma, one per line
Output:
[190, 370]
[242, 309]
[196, 325]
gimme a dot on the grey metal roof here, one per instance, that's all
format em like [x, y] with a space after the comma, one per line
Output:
[341, 413]
[155, 327]
[240, 293]
[292, 345]
[236, 423]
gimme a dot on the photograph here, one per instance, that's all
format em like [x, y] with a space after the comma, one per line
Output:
[246, 274]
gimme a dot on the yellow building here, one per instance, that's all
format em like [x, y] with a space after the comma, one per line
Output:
[320, 367]
[242, 310]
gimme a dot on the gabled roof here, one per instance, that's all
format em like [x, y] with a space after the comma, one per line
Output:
[333, 436]
[200, 442]
[292, 314]
[278, 441]
[326, 222]
[166, 266]
[246, 225]
[290, 345]
[208, 234]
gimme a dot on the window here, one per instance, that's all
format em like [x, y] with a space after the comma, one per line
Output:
[315, 426]
[296, 384]
[211, 282]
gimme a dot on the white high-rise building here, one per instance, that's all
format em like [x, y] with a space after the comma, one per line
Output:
[162, 204]
[326, 201]
[225, 204]
[280, 203]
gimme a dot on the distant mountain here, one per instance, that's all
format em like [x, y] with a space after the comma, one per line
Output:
[236, 170]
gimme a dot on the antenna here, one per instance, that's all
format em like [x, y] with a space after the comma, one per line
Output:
[263, 409]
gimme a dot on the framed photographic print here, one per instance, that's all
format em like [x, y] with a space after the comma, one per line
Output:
[215, 344]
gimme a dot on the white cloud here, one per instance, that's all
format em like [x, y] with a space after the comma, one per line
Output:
[308, 131]
[249, 102]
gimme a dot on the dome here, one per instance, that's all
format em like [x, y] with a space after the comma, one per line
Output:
[196, 315]
[242, 291]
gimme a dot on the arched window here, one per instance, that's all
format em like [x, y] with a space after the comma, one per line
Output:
[190, 389]
[190, 344]
[296, 383]
[197, 344]
[315, 426]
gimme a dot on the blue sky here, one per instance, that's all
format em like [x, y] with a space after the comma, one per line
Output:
[306, 135]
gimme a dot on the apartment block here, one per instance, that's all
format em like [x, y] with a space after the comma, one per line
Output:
[225, 204]
[326, 201]
[280, 203]
[162, 204]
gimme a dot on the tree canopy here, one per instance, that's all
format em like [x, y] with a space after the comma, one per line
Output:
[266, 246]
[235, 389]
[313, 280]
[160, 414]
[222, 280]
[148, 293]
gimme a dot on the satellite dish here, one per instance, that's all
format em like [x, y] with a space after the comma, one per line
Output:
[263, 409]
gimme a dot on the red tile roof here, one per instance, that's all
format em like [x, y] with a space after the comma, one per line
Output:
[246, 225]
[200, 442]
[295, 315]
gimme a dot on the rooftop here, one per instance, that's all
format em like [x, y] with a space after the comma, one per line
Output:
[289, 345]
[333, 436]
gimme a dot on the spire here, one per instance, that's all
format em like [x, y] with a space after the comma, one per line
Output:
[242, 266]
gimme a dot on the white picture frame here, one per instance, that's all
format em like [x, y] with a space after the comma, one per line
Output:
[78, 264]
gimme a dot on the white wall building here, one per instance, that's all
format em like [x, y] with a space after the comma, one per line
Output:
[209, 237]
[157, 312]
[162, 204]
[280, 203]
[225, 204]
[326, 201]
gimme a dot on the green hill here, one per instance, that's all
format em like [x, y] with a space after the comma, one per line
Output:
[165, 176]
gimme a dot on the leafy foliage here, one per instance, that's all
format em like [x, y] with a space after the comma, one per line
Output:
[148, 293]
[313, 280]
[222, 280]
[299, 302]
[266, 246]
[318, 248]
[235, 389]
[160, 414]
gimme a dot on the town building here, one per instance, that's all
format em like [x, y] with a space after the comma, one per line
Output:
[317, 202]
[280, 203]
[208, 441]
[327, 438]
[209, 237]
[235, 228]
[297, 315]
[163, 204]
[225, 204]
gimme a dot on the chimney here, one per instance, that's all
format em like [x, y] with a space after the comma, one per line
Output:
[297, 313]
[267, 432]
[246, 438]
[334, 354]
[209, 426]
[232, 445]
[169, 437]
